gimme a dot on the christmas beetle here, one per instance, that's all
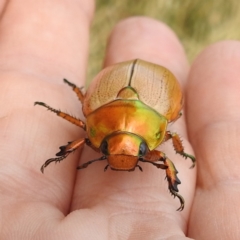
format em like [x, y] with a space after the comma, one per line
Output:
[128, 107]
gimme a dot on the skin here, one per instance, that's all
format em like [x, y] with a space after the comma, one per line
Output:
[39, 47]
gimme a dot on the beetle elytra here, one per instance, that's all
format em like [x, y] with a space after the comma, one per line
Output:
[128, 107]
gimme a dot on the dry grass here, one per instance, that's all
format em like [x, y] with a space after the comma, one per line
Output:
[197, 23]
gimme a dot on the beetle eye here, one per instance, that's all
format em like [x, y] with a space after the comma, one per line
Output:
[142, 149]
[104, 147]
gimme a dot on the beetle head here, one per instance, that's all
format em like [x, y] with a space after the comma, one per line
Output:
[123, 149]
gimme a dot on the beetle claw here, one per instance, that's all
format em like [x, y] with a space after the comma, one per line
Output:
[186, 155]
[105, 169]
[140, 168]
[182, 202]
[59, 159]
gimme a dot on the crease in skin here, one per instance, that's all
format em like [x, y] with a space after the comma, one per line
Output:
[149, 223]
[28, 56]
[88, 11]
[3, 7]
[31, 67]
[223, 136]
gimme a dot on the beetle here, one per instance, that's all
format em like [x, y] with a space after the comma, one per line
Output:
[128, 107]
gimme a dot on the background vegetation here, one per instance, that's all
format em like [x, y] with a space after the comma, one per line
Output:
[197, 23]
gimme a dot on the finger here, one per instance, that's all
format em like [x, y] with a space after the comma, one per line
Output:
[136, 191]
[41, 43]
[29, 37]
[214, 102]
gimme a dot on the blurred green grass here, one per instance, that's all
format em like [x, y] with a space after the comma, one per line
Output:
[197, 23]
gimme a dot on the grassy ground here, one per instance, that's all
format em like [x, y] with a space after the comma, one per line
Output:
[197, 23]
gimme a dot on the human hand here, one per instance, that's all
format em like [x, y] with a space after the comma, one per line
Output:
[42, 43]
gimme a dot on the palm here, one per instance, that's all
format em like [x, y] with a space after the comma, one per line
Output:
[92, 204]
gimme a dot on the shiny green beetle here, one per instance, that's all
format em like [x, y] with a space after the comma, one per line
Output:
[128, 107]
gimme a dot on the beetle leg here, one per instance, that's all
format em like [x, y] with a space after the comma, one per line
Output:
[64, 152]
[137, 166]
[158, 165]
[173, 181]
[66, 116]
[76, 89]
[140, 168]
[177, 144]
[84, 165]
[88, 143]
[105, 169]
[171, 172]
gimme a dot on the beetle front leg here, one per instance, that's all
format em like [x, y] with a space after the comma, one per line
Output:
[66, 116]
[171, 173]
[173, 181]
[64, 152]
[177, 144]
